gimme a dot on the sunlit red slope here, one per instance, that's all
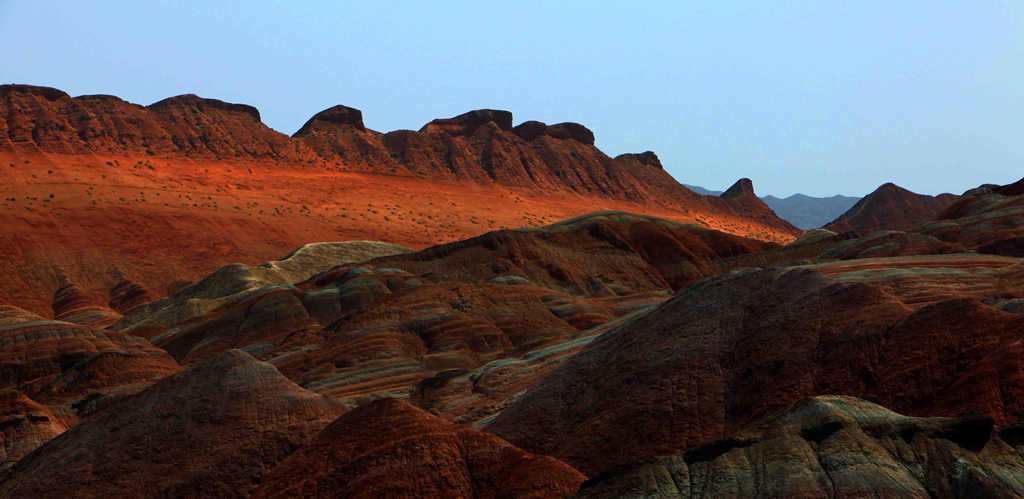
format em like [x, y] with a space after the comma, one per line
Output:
[169, 192]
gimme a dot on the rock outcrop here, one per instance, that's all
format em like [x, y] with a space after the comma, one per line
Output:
[24, 425]
[831, 446]
[913, 334]
[480, 146]
[743, 188]
[987, 222]
[125, 294]
[364, 330]
[474, 396]
[1014, 189]
[311, 259]
[387, 330]
[598, 254]
[239, 281]
[213, 430]
[390, 449]
[337, 115]
[43, 357]
[71, 304]
[645, 158]
[338, 134]
[214, 185]
[563, 340]
[468, 328]
[983, 220]
[468, 123]
[891, 207]
[54, 374]
[40, 119]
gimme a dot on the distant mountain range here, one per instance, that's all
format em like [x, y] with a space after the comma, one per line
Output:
[700, 190]
[805, 212]
[808, 212]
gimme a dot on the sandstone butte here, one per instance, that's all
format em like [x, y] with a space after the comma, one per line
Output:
[171, 191]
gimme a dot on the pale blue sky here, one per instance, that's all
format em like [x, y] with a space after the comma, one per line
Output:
[815, 97]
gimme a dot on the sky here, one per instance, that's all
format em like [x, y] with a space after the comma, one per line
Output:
[816, 97]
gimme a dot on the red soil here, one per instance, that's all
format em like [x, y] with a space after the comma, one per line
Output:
[171, 191]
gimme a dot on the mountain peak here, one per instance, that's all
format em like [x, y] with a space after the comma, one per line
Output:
[891, 207]
[570, 130]
[530, 130]
[47, 93]
[467, 123]
[889, 188]
[201, 104]
[337, 115]
[742, 187]
[1014, 189]
[645, 158]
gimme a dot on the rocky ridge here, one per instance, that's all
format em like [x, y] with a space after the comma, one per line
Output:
[890, 207]
[730, 350]
[211, 184]
[385, 449]
[212, 430]
[831, 446]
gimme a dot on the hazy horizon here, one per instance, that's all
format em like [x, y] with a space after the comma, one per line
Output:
[801, 99]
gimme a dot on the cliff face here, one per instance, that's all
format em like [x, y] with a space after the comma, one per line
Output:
[47, 120]
[479, 146]
[482, 146]
[93, 183]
